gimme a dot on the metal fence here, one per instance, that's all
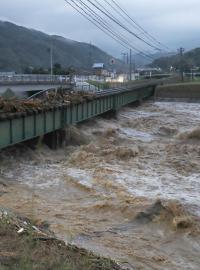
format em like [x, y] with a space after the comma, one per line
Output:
[25, 78]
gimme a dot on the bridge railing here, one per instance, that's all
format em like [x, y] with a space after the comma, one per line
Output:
[93, 86]
[26, 78]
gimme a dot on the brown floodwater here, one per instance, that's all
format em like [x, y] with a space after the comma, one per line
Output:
[128, 188]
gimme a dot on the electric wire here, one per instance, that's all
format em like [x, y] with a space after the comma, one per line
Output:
[109, 27]
[98, 24]
[137, 24]
[112, 32]
[80, 12]
[112, 18]
[118, 11]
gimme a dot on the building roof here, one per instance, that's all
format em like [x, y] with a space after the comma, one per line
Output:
[148, 69]
[7, 73]
[98, 65]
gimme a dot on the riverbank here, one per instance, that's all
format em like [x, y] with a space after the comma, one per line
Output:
[24, 246]
[188, 91]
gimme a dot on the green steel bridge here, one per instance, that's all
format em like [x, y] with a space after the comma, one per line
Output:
[22, 127]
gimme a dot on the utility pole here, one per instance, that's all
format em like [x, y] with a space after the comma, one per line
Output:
[90, 56]
[181, 51]
[125, 60]
[51, 58]
[125, 57]
[130, 64]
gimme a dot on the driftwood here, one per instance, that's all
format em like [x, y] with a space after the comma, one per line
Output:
[49, 101]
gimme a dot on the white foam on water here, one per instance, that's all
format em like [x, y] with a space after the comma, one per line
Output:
[154, 184]
[137, 113]
[189, 109]
[157, 171]
[81, 176]
[37, 176]
[164, 186]
[136, 134]
[151, 181]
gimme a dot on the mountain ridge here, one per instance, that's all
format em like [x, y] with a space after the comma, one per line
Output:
[22, 47]
[190, 59]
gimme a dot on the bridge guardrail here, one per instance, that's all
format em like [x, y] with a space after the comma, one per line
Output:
[30, 79]
[97, 91]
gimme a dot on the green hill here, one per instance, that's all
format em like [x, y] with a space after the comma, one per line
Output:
[190, 59]
[21, 47]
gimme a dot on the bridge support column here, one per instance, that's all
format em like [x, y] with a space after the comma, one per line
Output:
[55, 139]
[110, 114]
[33, 143]
[136, 103]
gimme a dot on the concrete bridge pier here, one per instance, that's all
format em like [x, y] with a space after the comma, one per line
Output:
[136, 103]
[55, 139]
[110, 114]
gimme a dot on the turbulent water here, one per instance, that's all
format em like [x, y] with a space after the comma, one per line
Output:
[128, 188]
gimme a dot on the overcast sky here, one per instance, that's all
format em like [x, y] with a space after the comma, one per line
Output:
[173, 22]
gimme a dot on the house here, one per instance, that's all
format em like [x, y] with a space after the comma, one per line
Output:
[9, 73]
[99, 69]
[147, 71]
[7, 76]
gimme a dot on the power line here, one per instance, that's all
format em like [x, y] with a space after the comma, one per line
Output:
[181, 51]
[136, 24]
[95, 21]
[98, 19]
[102, 27]
[107, 26]
[80, 12]
[118, 10]
[112, 18]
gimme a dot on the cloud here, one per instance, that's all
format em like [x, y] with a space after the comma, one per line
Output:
[171, 22]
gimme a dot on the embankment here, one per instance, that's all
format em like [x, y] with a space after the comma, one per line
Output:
[25, 246]
[180, 91]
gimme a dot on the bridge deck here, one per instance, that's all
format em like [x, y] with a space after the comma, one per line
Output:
[25, 127]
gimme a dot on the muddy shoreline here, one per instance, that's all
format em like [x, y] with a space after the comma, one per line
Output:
[26, 246]
[125, 188]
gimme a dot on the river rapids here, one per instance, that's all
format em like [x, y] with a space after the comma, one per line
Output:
[126, 188]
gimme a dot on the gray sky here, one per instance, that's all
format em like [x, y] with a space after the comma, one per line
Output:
[173, 22]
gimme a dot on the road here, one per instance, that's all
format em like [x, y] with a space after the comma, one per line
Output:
[22, 90]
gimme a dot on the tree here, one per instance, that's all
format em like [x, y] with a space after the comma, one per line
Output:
[40, 70]
[57, 69]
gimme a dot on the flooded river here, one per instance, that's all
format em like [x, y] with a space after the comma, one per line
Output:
[127, 188]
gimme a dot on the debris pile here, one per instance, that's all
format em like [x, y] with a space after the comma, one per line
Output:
[46, 102]
[23, 225]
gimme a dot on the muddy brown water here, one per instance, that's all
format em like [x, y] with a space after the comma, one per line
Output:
[131, 192]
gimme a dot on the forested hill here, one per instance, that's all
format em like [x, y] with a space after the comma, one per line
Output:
[190, 60]
[21, 47]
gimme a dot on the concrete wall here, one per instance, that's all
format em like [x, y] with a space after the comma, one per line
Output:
[180, 91]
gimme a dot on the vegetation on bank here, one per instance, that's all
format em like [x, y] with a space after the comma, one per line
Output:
[26, 247]
[57, 70]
